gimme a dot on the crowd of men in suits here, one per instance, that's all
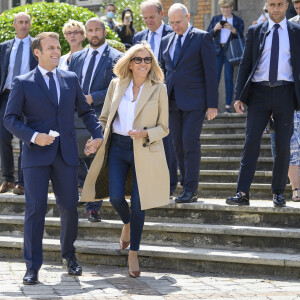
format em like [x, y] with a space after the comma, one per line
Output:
[44, 99]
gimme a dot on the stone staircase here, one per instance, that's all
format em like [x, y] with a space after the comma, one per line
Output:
[206, 236]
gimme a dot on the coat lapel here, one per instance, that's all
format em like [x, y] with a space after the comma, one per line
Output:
[146, 93]
[62, 86]
[262, 37]
[81, 62]
[185, 44]
[32, 60]
[7, 57]
[101, 61]
[38, 77]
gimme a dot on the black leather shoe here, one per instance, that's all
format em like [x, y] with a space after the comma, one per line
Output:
[238, 199]
[187, 197]
[30, 277]
[93, 216]
[278, 200]
[72, 266]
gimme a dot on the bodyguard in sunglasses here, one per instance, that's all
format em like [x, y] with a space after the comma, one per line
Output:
[135, 120]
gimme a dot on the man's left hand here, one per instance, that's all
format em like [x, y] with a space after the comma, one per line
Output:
[92, 146]
[89, 99]
[211, 113]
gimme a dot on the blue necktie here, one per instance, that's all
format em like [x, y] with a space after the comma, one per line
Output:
[18, 60]
[88, 74]
[274, 55]
[152, 42]
[177, 49]
[52, 88]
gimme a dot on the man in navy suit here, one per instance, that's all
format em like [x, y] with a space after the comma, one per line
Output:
[47, 98]
[191, 78]
[16, 58]
[268, 83]
[153, 14]
[93, 67]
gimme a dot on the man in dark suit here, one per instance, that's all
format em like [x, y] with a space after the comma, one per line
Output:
[93, 67]
[16, 58]
[153, 14]
[191, 78]
[268, 83]
[48, 97]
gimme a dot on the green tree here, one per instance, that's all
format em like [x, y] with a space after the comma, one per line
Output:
[51, 17]
[134, 5]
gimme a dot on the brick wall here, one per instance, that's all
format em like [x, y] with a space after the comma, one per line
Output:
[199, 10]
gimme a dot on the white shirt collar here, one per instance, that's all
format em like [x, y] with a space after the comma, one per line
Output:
[129, 91]
[44, 71]
[25, 40]
[160, 29]
[282, 24]
[100, 49]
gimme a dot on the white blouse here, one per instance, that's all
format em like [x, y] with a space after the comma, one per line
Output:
[125, 114]
[63, 62]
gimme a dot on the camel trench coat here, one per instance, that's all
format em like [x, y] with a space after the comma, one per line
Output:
[149, 156]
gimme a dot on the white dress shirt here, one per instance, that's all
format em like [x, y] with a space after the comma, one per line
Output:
[285, 71]
[157, 38]
[225, 32]
[125, 114]
[87, 61]
[47, 79]
[63, 62]
[172, 47]
[25, 66]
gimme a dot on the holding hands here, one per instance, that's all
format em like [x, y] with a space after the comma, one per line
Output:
[92, 146]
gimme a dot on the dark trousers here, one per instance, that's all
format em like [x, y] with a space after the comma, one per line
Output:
[228, 74]
[64, 182]
[263, 102]
[121, 159]
[186, 128]
[6, 149]
[171, 161]
[84, 165]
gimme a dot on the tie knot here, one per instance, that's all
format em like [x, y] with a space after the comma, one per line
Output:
[180, 36]
[153, 33]
[49, 74]
[21, 42]
[95, 52]
[276, 26]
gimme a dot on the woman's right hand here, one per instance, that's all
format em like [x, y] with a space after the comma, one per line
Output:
[218, 27]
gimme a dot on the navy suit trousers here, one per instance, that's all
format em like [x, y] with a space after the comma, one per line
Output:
[185, 127]
[6, 149]
[264, 102]
[64, 182]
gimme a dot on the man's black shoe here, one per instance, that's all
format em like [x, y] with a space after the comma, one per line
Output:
[30, 277]
[93, 216]
[187, 197]
[278, 200]
[72, 266]
[238, 199]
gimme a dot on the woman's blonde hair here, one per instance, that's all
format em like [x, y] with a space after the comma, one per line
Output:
[74, 23]
[226, 3]
[122, 69]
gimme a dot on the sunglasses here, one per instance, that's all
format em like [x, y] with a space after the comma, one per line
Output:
[137, 60]
[75, 32]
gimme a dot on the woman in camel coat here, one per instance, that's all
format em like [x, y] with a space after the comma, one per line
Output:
[135, 120]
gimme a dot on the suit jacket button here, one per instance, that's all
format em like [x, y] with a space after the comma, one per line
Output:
[144, 145]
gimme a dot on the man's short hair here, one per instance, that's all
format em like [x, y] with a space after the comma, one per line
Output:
[296, 1]
[36, 44]
[95, 19]
[155, 3]
[226, 3]
[110, 4]
[21, 13]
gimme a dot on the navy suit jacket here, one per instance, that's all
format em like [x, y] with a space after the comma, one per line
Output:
[143, 36]
[102, 75]
[255, 41]
[194, 77]
[31, 97]
[238, 24]
[5, 50]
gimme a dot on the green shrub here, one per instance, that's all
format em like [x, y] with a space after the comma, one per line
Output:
[51, 17]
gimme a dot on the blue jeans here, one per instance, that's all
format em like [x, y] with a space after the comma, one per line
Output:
[228, 74]
[121, 159]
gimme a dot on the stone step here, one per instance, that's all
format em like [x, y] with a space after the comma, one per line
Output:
[231, 150]
[230, 139]
[225, 118]
[169, 257]
[221, 128]
[205, 211]
[267, 239]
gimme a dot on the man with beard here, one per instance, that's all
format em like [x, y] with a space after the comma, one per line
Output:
[93, 67]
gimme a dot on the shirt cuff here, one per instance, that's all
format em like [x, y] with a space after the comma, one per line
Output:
[33, 137]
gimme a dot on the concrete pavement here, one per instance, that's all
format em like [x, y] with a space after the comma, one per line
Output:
[108, 282]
